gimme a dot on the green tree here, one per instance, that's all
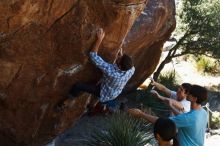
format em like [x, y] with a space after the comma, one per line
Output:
[197, 32]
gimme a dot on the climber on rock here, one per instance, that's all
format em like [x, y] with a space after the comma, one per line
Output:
[115, 76]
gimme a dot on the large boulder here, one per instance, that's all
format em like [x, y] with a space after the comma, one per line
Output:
[44, 48]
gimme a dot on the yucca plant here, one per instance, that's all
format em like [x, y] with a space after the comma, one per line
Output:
[122, 130]
[169, 79]
[207, 65]
[145, 100]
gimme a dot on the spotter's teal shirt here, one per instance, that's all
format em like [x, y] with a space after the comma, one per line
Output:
[191, 127]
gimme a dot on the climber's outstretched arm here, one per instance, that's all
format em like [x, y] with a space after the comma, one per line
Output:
[100, 36]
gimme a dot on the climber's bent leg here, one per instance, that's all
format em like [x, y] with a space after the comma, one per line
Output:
[81, 87]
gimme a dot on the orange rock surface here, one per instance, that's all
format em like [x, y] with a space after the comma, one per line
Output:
[44, 46]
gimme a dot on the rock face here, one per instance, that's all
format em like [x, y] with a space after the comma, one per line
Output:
[44, 48]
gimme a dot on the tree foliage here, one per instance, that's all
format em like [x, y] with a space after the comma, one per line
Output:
[199, 22]
[197, 32]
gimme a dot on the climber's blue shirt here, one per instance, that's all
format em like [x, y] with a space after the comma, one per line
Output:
[113, 80]
[191, 127]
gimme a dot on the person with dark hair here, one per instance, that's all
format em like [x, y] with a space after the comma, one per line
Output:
[115, 77]
[177, 101]
[125, 62]
[192, 125]
[164, 131]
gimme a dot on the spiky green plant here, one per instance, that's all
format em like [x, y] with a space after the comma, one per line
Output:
[207, 65]
[122, 130]
[169, 79]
